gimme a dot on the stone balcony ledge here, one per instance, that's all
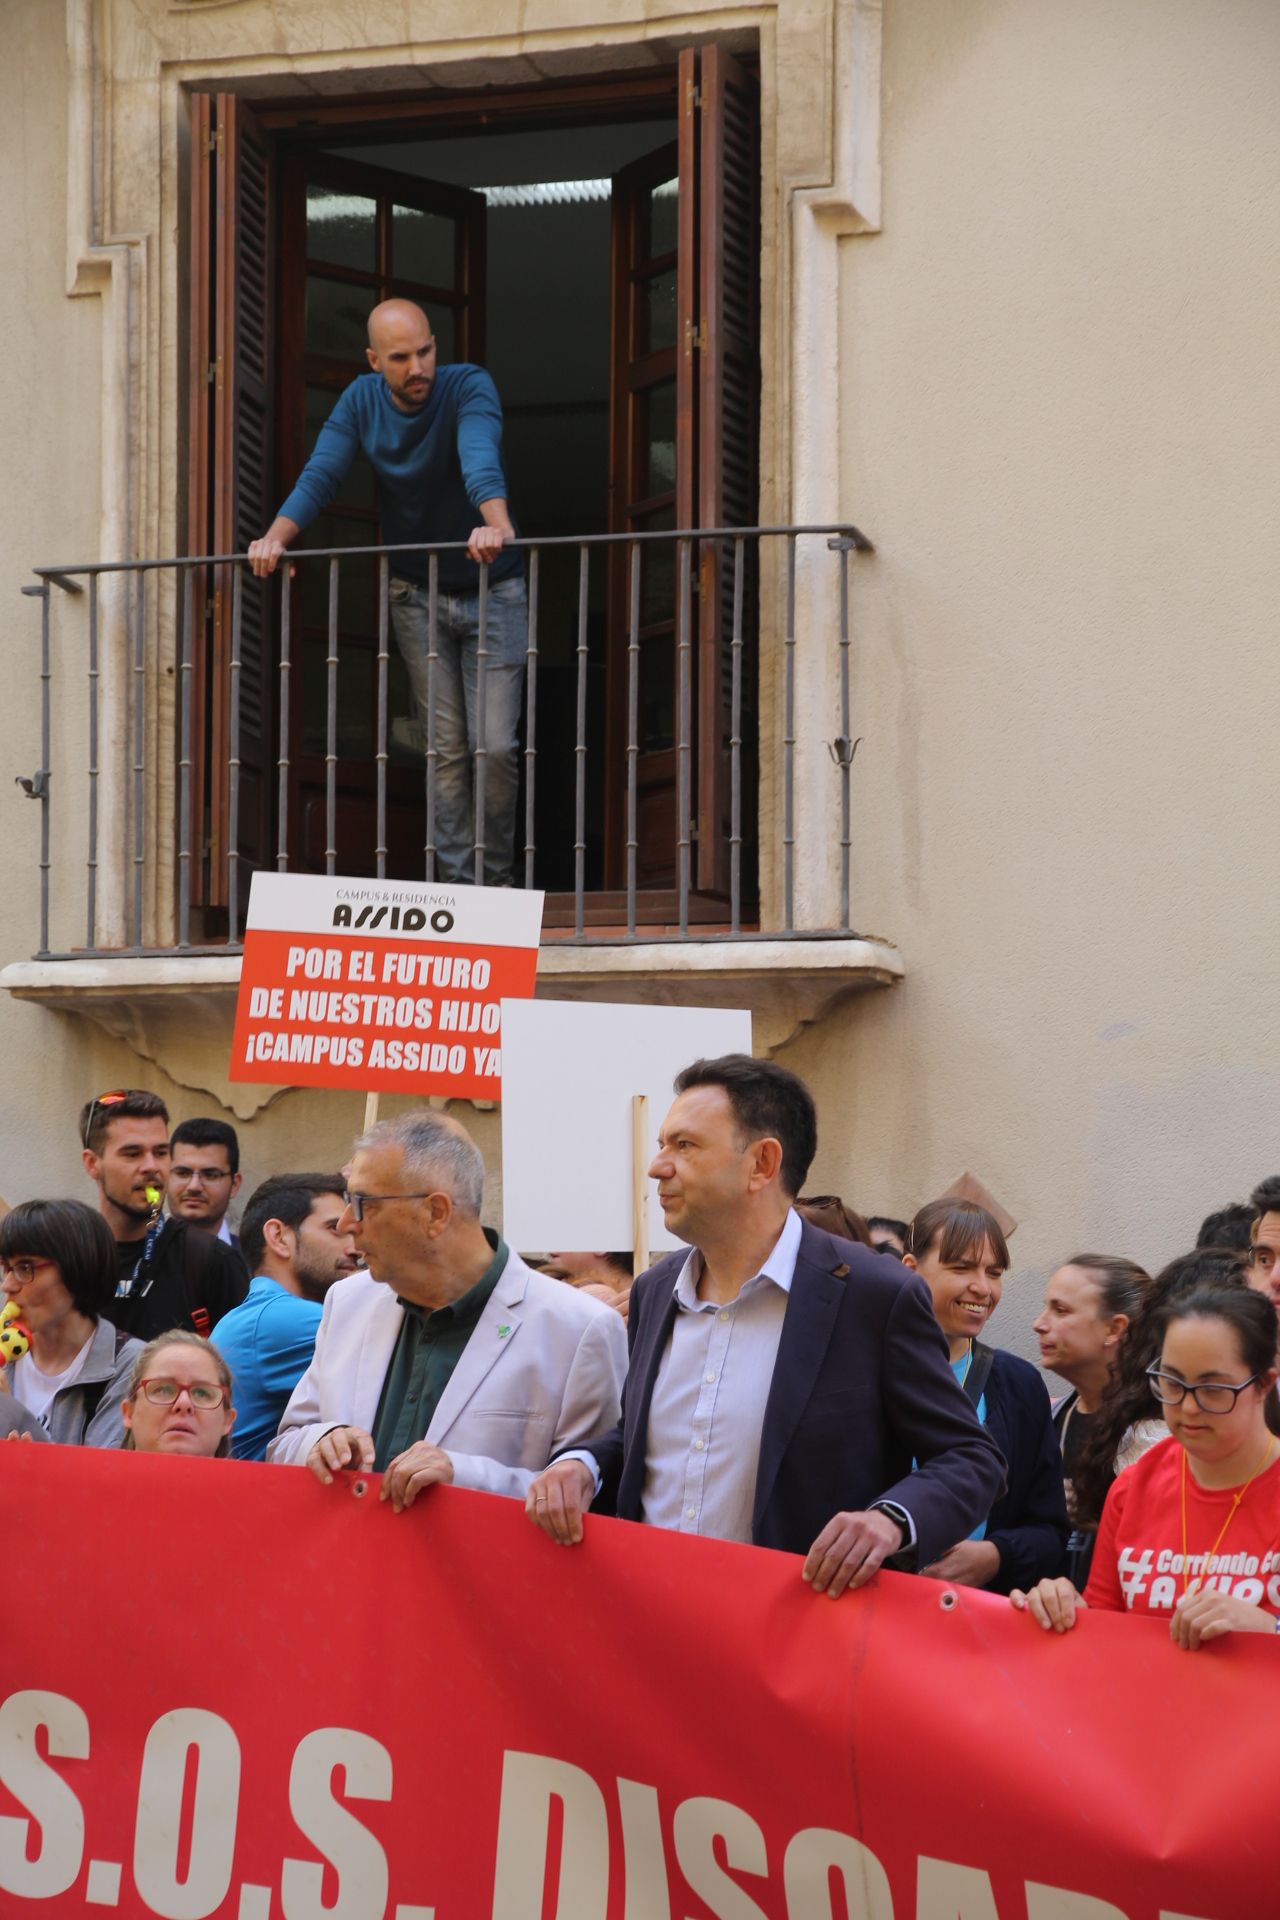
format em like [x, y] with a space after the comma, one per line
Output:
[177, 1010]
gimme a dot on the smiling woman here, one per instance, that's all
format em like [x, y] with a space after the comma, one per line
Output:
[960, 1253]
[1192, 1530]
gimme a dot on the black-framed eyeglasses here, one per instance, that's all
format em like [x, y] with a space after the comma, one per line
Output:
[103, 1103]
[1212, 1397]
[359, 1201]
[162, 1392]
[207, 1176]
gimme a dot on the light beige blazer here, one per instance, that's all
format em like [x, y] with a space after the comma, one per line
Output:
[542, 1371]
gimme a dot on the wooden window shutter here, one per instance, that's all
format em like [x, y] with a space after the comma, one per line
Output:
[228, 476]
[728, 433]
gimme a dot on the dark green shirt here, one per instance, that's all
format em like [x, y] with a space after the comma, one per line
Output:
[428, 1348]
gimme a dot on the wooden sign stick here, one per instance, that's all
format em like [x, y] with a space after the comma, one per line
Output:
[640, 1157]
[370, 1111]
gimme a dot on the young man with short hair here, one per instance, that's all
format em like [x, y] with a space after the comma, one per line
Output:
[204, 1175]
[290, 1236]
[170, 1276]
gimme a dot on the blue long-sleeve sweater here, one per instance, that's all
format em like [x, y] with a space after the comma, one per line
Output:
[433, 468]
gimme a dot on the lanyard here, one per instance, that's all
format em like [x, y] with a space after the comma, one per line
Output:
[142, 1268]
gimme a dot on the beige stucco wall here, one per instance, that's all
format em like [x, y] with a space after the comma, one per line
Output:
[1050, 383]
[1061, 418]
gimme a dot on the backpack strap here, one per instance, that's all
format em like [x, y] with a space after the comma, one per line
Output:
[96, 1388]
[979, 1373]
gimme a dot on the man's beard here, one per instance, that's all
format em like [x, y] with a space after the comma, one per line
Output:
[315, 1281]
[128, 1202]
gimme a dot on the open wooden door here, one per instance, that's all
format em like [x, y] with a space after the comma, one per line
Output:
[685, 432]
[228, 470]
[651, 489]
[728, 441]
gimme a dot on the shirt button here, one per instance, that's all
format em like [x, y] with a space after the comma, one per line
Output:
[722, 1316]
[711, 1379]
[691, 1513]
[699, 1445]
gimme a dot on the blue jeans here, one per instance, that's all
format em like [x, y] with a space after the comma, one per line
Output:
[445, 694]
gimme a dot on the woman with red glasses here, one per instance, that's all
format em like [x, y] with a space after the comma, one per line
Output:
[179, 1398]
[58, 1266]
[1191, 1532]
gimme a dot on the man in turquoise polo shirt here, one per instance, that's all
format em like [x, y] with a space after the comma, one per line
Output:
[291, 1240]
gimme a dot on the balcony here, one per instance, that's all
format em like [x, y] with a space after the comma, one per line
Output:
[685, 764]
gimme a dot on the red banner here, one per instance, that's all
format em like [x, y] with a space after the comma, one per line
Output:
[229, 1691]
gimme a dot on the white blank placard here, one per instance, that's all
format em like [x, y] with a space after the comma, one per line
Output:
[569, 1071]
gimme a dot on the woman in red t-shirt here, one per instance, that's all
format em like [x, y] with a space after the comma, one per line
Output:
[1191, 1532]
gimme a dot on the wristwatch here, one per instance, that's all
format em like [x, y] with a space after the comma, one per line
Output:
[900, 1517]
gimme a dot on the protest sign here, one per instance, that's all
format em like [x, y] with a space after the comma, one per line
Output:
[571, 1070]
[380, 985]
[312, 1707]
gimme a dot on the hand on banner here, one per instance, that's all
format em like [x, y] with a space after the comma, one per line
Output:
[558, 1498]
[1052, 1603]
[341, 1447]
[970, 1563]
[1204, 1614]
[419, 1466]
[850, 1548]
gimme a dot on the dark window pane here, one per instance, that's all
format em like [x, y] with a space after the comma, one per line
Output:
[664, 214]
[341, 227]
[357, 579]
[658, 426]
[657, 693]
[355, 702]
[422, 246]
[357, 490]
[658, 311]
[337, 318]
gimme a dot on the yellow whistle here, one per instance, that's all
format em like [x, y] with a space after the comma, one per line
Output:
[153, 1196]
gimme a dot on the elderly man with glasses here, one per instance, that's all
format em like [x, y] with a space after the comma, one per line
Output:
[447, 1359]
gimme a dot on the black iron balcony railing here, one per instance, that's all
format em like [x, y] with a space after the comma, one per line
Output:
[677, 651]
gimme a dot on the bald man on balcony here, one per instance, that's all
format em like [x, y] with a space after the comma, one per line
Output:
[433, 436]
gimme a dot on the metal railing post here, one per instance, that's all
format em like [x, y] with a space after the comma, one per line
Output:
[531, 720]
[331, 728]
[789, 749]
[185, 671]
[684, 729]
[735, 745]
[480, 756]
[433, 629]
[91, 936]
[139, 752]
[633, 739]
[233, 759]
[580, 752]
[384, 659]
[282, 761]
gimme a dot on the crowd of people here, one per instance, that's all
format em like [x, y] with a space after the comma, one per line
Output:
[793, 1376]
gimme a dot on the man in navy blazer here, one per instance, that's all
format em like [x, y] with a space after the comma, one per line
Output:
[783, 1383]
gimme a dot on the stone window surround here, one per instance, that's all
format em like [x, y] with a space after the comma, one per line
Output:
[131, 65]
